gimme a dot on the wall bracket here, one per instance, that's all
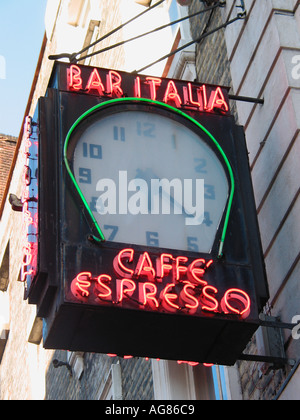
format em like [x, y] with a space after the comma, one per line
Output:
[277, 362]
[272, 343]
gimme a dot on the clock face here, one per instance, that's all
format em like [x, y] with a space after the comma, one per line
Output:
[150, 179]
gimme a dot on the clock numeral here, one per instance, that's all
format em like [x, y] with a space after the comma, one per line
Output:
[201, 165]
[93, 151]
[152, 238]
[209, 192]
[85, 176]
[114, 231]
[119, 133]
[207, 220]
[146, 129]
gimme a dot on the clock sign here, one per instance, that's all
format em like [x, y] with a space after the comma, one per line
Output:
[148, 236]
[150, 175]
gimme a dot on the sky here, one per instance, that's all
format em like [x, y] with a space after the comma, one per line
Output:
[22, 30]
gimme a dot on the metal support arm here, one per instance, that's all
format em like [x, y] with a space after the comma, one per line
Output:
[278, 362]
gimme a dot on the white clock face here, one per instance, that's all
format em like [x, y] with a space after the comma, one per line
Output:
[150, 180]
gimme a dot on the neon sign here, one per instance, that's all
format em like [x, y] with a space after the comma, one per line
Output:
[30, 206]
[162, 284]
[145, 300]
[112, 84]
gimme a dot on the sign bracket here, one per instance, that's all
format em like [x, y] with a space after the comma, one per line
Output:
[246, 99]
[277, 324]
[272, 324]
[278, 362]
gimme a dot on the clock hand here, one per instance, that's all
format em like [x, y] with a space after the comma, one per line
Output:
[178, 206]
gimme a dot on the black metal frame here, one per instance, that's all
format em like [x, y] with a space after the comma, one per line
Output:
[65, 249]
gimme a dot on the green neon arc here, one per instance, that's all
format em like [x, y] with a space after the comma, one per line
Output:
[177, 111]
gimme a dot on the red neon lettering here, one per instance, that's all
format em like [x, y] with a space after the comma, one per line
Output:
[103, 287]
[137, 87]
[145, 268]
[203, 88]
[179, 269]
[28, 220]
[217, 100]
[147, 295]
[81, 284]
[167, 299]
[162, 268]
[114, 81]
[180, 362]
[25, 274]
[125, 289]
[119, 267]
[95, 83]
[28, 126]
[27, 254]
[242, 303]
[154, 83]
[74, 78]
[210, 303]
[172, 94]
[195, 273]
[210, 262]
[190, 301]
[190, 97]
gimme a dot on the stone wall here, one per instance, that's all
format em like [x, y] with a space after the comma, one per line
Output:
[255, 57]
[136, 378]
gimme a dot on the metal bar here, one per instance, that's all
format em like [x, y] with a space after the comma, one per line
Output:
[240, 16]
[277, 324]
[247, 99]
[277, 361]
[110, 47]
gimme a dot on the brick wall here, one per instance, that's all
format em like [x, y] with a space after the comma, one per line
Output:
[258, 383]
[136, 378]
[7, 149]
[212, 64]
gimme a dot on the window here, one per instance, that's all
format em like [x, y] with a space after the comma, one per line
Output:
[173, 381]
[181, 65]
[219, 380]
[111, 388]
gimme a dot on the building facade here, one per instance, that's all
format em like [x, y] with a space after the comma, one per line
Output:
[258, 56]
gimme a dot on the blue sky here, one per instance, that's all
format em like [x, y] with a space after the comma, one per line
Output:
[21, 35]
